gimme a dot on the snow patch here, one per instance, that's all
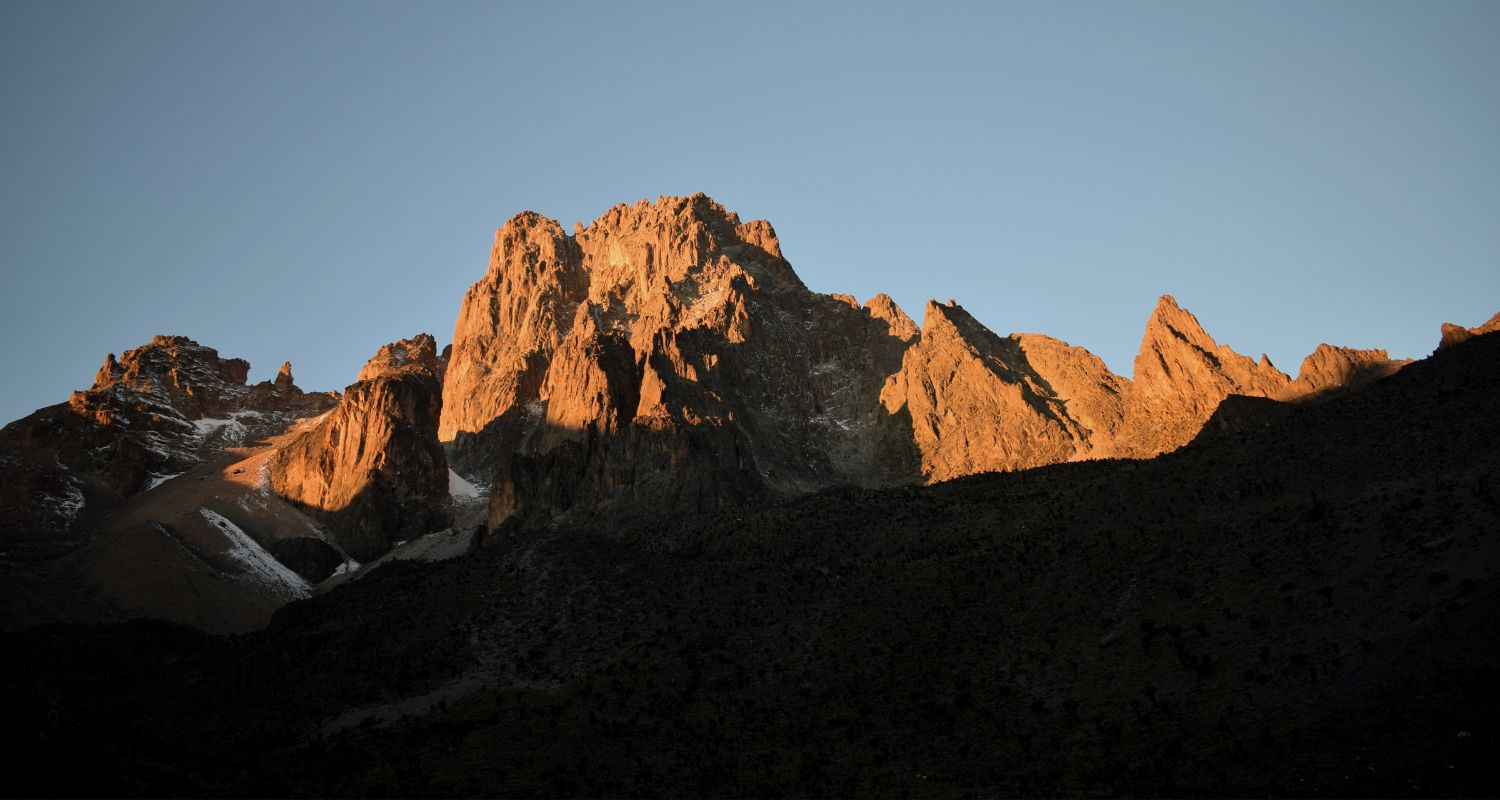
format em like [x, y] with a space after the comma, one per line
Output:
[259, 564]
[460, 489]
[263, 478]
[232, 428]
[70, 504]
[349, 565]
[158, 479]
[209, 426]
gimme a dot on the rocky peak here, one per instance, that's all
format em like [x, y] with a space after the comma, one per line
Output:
[1092, 395]
[176, 372]
[678, 263]
[415, 355]
[1181, 376]
[1175, 347]
[883, 308]
[666, 357]
[372, 470]
[979, 402]
[511, 322]
[162, 408]
[1331, 368]
[1454, 334]
[284, 381]
[664, 325]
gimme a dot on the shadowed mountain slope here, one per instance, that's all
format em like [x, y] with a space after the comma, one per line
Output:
[372, 470]
[1304, 606]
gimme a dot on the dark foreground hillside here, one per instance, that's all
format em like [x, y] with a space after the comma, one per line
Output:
[1304, 602]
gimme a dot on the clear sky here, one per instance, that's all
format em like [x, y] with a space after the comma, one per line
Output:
[309, 180]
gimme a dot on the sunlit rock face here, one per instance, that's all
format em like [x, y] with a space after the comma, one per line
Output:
[162, 407]
[979, 402]
[372, 471]
[1181, 376]
[1331, 369]
[1454, 334]
[156, 412]
[666, 359]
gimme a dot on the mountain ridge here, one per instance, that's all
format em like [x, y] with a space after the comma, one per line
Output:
[663, 360]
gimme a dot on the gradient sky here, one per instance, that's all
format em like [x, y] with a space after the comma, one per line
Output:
[308, 181]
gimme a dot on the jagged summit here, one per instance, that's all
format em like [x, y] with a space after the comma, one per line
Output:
[883, 308]
[178, 372]
[1331, 368]
[284, 380]
[417, 355]
[160, 408]
[371, 471]
[667, 355]
[1454, 334]
[1181, 375]
[662, 323]
[664, 359]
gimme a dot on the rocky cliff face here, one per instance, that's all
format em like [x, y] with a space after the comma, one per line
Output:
[79, 523]
[372, 471]
[663, 360]
[1332, 369]
[162, 408]
[666, 358]
[1453, 334]
[978, 402]
[1181, 376]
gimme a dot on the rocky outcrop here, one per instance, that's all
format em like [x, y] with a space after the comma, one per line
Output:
[161, 409]
[1090, 394]
[1331, 369]
[75, 480]
[509, 325]
[883, 308]
[372, 471]
[414, 356]
[978, 402]
[1454, 334]
[1181, 376]
[666, 357]
[176, 373]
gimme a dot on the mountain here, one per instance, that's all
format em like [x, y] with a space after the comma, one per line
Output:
[371, 471]
[667, 358]
[1304, 606]
[663, 521]
[977, 402]
[77, 476]
[172, 489]
[664, 360]
[1453, 334]
[1336, 369]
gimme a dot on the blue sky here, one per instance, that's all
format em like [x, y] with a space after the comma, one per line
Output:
[307, 181]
